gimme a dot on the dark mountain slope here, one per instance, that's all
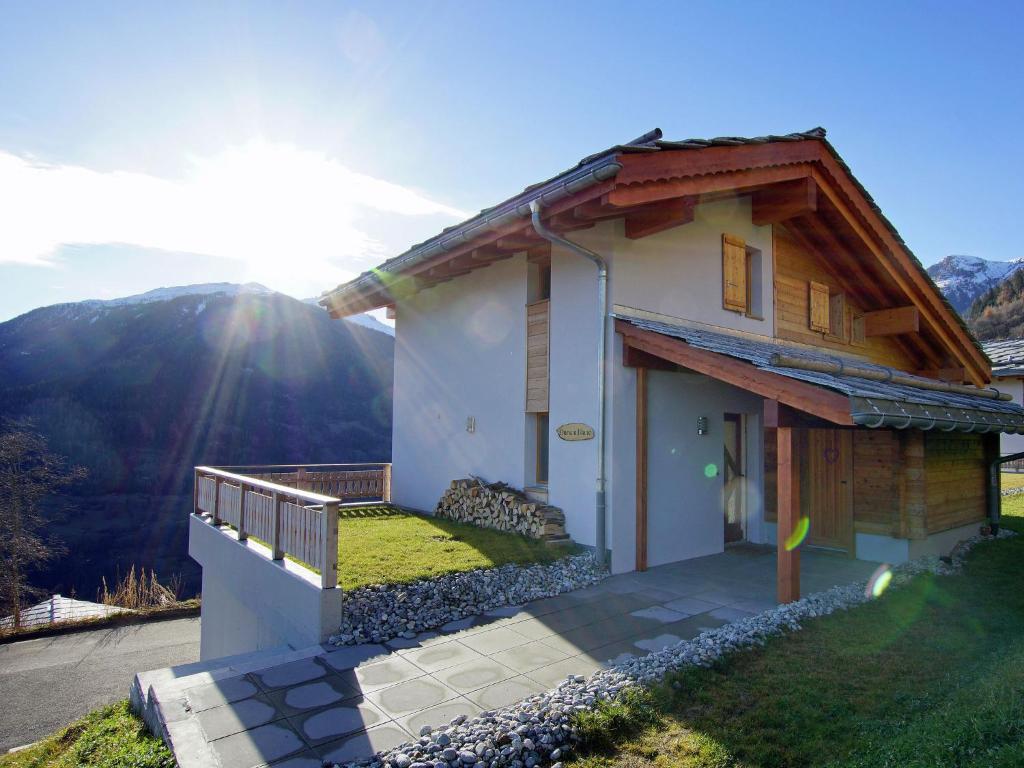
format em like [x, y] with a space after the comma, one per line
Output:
[139, 393]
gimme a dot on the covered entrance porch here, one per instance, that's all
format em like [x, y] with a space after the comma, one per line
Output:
[857, 459]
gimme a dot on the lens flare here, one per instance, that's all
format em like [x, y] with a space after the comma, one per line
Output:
[879, 581]
[711, 470]
[796, 538]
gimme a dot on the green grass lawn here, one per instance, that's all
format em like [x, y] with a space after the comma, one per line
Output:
[110, 737]
[931, 674]
[1012, 480]
[378, 546]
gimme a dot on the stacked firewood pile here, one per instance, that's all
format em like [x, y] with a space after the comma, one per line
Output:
[499, 506]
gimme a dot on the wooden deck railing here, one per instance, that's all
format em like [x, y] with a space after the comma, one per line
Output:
[347, 482]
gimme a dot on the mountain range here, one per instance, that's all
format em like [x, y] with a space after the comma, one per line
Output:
[141, 389]
[964, 278]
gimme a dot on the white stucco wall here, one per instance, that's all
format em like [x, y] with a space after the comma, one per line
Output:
[460, 351]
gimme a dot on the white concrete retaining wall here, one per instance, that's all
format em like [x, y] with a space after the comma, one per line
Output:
[251, 602]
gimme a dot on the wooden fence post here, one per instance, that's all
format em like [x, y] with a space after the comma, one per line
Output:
[300, 479]
[329, 542]
[216, 500]
[195, 491]
[275, 530]
[243, 534]
[386, 484]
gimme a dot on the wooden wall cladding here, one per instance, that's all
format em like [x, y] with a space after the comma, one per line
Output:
[955, 480]
[795, 269]
[876, 482]
[537, 356]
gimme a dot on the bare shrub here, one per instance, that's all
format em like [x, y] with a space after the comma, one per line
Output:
[140, 591]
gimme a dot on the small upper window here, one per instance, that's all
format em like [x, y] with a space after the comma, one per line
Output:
[742, 277]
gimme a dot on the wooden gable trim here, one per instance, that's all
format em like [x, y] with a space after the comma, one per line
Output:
[828, 405]
[735, 181]
[899, 264]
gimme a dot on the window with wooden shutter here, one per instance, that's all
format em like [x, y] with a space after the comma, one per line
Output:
[819, 307]
[734, 273]
[537, 351]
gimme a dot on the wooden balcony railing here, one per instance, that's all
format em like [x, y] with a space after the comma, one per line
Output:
[293, 509]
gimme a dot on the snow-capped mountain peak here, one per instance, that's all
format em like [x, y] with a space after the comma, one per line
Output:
[963, 278]
[199, 289]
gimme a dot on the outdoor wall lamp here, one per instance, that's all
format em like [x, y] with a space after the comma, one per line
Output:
[702, 425]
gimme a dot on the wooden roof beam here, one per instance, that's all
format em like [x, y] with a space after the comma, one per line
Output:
[736, 181]
[892, 322]
[657, 218]
[780, 202]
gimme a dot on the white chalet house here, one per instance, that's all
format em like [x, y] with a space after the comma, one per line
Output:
[770, 354]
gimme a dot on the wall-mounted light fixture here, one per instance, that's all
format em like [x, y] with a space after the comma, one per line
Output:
[471, 424]
[702, 425]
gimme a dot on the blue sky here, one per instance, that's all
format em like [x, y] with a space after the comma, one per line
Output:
[298, 143]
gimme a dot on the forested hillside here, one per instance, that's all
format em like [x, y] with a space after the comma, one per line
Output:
[139, 393]
[999, 312]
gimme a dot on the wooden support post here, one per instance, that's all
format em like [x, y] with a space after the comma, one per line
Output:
[300, 479]
[195, 491]
[641, 469]
[275, 530]
[788, 560]
[329, 539]
[386, 484]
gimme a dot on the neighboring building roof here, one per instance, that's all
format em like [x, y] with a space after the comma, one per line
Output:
[872, 403]
[59, 608]
[1007, 356]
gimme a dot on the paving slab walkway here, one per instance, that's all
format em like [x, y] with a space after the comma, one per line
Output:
[340, 704]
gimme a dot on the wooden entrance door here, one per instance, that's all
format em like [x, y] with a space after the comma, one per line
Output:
[826, 486]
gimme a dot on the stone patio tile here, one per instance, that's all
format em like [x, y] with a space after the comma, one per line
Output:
[525, 658]
[534, 629]
[730, 613]
[659, 613]
[553, 674]
[373, 677]
[661, 594]
[334, 722]
[615, 653]
[496, 640]
[602, 632]
[755, 605]
[307, 759]
[504, 612]
[363, 744]
[222, 692]
[308, 696]
[691, 605]
[562, 621]
[351, 656]
[442, 656]
[552, 604]
[411, 696]
[294, 673]
[261, 745]
[720, 596]
[236, 717]
[440, 715]
[562, 644]
[455, 626]
[658, 642]
[474, 675]
[504, 693]
[405, 643]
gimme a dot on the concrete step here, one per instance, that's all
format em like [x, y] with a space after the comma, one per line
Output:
[158, 696]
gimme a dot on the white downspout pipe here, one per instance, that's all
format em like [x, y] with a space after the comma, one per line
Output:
[600, 544]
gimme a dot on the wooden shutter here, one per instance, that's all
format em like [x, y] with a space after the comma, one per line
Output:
[857, 335]
[537, 351]
[734, 273]
[819, 307]
[837, 316]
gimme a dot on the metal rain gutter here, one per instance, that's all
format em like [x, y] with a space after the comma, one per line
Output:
[600, 543]
[875, 413]
[592, 173]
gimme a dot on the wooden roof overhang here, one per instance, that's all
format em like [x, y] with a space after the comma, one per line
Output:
[801, 185]
[800, 396]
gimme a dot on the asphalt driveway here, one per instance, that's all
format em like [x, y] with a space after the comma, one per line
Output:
[49, 682]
